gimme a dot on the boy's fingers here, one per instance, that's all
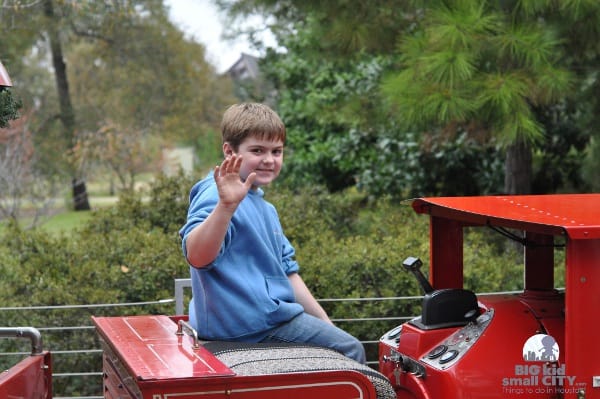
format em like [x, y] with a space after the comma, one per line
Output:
[227, 164]
[237, 163]
[231, 164]
[250, 179]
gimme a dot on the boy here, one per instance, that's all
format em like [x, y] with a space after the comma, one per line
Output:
[245, 281]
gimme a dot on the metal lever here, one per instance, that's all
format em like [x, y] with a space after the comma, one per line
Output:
[413, 265]
[183, 327]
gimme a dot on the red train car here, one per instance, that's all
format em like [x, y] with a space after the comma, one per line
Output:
[158, 357]
[31, 378]
[538, 343]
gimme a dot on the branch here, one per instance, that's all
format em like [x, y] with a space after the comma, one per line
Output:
[17, 5]
[90, 34]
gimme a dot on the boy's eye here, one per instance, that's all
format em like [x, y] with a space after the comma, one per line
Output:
[275, 152]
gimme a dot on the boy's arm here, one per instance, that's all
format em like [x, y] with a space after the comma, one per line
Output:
[305, 298]
[204, 241]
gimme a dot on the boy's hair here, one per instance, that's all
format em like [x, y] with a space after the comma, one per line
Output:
[251, 119]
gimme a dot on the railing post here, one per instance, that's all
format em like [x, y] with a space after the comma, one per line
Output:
[180, 284]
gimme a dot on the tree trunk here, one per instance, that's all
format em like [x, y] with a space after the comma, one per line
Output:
[67, 115]
[80, 197]
[517, 169]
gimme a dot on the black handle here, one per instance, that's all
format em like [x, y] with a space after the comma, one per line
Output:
[413, 265]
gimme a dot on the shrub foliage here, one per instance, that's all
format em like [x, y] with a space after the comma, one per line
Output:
[348, 246]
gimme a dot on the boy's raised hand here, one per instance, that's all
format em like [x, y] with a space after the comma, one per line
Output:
[232, 189]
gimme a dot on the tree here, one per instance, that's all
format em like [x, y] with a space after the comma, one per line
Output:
[578, 22]
[66, 114]
[471, 64]
[122, 151]
[126, 63]
[20, 183]
[18, 178]
[484, 68]
[151, 79]
[53, 21]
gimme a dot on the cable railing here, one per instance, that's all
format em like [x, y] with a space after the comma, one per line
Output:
[178, 300]
[62, 355]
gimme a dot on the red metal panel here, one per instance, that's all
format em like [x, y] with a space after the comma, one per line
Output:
[31, 378]
[151, 350]
[485, 368]
[582, 298]
[446, 253]
[315, 385]
[539, 262]
[577, 214]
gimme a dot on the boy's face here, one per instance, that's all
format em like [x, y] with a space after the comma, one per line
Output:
[265, 157]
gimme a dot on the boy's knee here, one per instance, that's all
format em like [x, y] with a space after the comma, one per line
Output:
[355, 350]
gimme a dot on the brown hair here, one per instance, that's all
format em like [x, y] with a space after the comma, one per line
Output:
[251, 119]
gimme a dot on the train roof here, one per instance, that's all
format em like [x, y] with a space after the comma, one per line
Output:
[577, 215]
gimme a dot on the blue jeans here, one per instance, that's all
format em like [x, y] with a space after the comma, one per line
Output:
[308, 329]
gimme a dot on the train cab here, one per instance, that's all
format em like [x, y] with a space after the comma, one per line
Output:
[538, 343]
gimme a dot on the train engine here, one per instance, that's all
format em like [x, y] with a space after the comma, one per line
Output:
[532, 344]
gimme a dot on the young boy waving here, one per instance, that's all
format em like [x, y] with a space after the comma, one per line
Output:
[245, 280]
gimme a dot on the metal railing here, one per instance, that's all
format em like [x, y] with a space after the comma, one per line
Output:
[180, 286]
[96, 376]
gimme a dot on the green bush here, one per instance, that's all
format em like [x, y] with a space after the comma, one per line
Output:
[124, 254]
[348, 246]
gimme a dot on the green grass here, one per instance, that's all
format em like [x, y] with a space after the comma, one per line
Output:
[62, 222]
[66, 221]
[99, 196]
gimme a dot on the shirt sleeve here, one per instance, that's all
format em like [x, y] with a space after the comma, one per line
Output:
[203, 199]
[288, 257]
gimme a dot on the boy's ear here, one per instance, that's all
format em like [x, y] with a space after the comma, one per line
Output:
[227, 149]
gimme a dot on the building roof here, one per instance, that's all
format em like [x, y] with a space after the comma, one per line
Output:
[4, 78]
[246, 67]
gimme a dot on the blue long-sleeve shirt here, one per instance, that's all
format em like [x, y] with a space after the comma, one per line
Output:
[245, 291]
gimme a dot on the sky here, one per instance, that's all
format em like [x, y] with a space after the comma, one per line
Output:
[201, 21]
